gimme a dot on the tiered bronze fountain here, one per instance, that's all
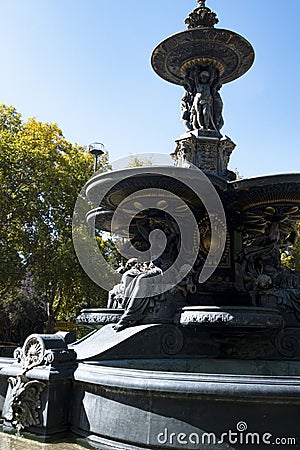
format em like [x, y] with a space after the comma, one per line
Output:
[261, 213]
[203, 364]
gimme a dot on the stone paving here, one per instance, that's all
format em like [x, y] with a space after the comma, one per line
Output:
[8, 442]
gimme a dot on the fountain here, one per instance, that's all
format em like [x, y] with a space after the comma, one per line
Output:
[199, 346]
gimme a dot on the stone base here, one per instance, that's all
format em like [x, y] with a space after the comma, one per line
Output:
[49, 403]
[142, 341]
[206, 150]
[163, 386]
[198, 332]
[140, 409]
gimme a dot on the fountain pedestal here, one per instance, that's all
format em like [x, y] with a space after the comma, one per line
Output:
[203, 149]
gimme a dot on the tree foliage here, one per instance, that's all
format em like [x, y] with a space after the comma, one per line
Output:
[41, 175]
[138, 161]
[291, 259]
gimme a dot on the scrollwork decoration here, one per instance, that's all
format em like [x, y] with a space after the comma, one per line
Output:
[25, 402]
[287, 344]
[172, 342]
[34, 352]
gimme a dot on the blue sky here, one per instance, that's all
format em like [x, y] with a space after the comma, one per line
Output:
[85, 64]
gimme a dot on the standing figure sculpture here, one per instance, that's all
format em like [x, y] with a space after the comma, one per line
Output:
[217, 105]
[201, 105]
[187, 102]
[202, 109]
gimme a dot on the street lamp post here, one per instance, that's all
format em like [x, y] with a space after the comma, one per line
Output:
[96, 149]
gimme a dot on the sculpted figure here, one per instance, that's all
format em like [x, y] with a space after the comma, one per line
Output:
[264, 276]
[217, 106]
[283, 291]
[201, 105]
[187, 102]
[115, 296]
[202, 109]
[138, 293]
[184, 150]
[259, 261]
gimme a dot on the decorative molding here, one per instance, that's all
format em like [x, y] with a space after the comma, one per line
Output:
[201, 149]
[100, 317]
[34, 352]
[201, 17]
[198, 317]
[266, 191]
[287, 343]
[205, 239]
[24, 403]
[228, 49]
[203, 62]
[172, 342]
[243, 317]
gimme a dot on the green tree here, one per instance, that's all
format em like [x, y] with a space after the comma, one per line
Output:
[41, 175]
[137, 161]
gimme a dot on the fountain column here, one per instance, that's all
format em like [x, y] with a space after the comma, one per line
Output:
[202, 59]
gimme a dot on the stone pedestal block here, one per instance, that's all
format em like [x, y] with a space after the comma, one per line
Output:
[205, 150]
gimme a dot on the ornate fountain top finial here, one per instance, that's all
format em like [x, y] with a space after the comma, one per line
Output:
[202, 44]
[201, 17]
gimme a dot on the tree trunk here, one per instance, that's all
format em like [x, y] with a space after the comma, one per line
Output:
[50, 324]
[52, 314]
